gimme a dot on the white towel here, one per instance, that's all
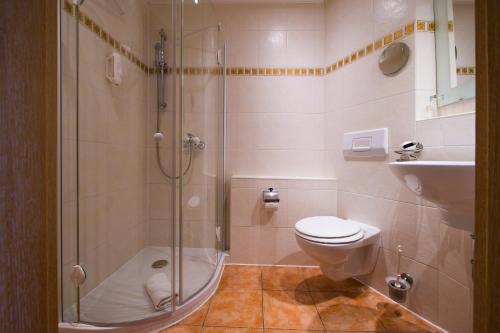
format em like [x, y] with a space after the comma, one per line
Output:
[159, 290]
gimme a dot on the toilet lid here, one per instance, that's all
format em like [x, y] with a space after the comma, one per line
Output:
[327, 227]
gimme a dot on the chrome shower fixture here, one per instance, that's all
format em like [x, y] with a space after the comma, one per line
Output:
[191, 141]
[161, 68]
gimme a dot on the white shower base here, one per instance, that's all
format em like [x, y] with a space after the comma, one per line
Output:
[122, 297]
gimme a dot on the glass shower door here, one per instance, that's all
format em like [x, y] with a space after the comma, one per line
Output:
[114, 199]
[202, 146]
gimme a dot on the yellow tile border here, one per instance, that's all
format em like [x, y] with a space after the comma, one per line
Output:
[470, 70]
[401, 33]
[95, 28]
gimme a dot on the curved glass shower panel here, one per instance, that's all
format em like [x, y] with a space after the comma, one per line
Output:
[141, 145]
[68, 147]
[118, 201]
[201, 145]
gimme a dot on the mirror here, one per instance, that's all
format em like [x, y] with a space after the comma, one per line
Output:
[455, 56]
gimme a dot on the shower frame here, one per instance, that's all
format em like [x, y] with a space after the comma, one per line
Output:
[186, 306]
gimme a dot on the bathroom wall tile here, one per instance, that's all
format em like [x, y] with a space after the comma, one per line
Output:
[159, 201]
[306, 16]
[243, 47]
[455, 306]
[280, 245]
[154, 173]
[449, 153]
[272, 17]
[455, 130]
[93, 168]
[416, 229]
[247, 241]
[93, 221]
[459, 130]
[304, 203]
[245, 207]
[455, 254]
[272, 48]
[270, 246]
[389, 15]
[373, 211]
[159, 232]
[93, 114]
[304, 48]
[341, 14]
[295, 163]
[424, 297]
[429, 132]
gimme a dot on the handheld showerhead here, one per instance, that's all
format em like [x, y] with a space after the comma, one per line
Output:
[160, 61]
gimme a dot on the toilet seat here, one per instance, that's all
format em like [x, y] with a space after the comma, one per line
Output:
[328, 230]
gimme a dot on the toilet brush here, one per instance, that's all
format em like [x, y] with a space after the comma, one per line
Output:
[401, 284]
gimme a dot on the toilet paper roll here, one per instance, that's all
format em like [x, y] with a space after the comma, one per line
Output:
[270, 205]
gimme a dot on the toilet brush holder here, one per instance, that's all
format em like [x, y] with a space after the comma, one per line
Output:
[399, 287]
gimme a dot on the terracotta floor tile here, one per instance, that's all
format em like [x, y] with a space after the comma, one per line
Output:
[316, 281]
[350, 317]
[290, 310]
[235, 308]
[231, 330]
[293, 331]
[399, 320]
[362, 297]
[283, 278]
[197, 317]
[241, 277]
[182, 329]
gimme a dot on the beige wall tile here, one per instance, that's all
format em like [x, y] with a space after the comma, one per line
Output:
[455, 306]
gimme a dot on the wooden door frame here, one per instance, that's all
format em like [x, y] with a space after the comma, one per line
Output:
[28, 166]
[487, 245]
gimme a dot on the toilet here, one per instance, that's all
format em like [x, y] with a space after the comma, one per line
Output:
[343, 248]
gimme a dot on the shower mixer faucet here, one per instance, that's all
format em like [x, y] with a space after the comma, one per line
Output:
[194, 142]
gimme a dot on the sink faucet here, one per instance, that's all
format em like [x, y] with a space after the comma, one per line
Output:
[409, 151]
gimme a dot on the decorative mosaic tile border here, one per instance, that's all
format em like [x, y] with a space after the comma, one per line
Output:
[466, 70]
[273, 71]
[105, 36]
[408, 29]
[251, 71]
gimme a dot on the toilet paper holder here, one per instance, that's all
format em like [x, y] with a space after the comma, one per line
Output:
[271, 195]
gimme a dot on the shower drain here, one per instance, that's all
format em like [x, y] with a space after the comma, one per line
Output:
[159, 263]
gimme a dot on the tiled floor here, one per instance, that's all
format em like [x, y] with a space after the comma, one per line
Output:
[251, 299]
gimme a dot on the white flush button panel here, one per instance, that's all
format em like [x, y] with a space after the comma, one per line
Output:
[369, 143]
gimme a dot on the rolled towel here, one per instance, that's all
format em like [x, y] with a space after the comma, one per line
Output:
[159, 290]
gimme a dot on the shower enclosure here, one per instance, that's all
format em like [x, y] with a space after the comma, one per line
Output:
[141, 159]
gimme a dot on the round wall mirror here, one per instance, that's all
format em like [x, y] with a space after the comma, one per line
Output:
[394, 58]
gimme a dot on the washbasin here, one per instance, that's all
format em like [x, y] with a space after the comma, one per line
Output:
[448, 184]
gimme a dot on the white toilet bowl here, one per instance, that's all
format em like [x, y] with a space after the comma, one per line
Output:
[343, 248]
